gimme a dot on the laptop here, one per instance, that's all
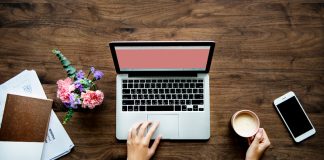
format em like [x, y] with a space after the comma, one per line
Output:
[165, 81]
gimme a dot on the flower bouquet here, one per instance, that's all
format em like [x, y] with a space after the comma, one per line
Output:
[78, 90]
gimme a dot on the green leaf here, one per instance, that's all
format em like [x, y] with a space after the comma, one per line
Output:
[68, 116]
[70, 70]
[65, 62]
[84, 82]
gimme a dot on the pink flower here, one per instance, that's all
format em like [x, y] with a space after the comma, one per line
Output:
[71, 87]
[64, 89]
[64, 83]
[64, 95]
[92, 98]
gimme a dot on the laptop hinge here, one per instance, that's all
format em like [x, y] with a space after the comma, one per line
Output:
[165, 74]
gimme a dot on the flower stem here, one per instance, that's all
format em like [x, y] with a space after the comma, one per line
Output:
[88, 74]
[68, 116]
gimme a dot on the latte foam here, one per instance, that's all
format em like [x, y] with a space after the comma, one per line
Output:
[245, 124]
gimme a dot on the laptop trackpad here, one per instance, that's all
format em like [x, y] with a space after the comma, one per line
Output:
[169, 125]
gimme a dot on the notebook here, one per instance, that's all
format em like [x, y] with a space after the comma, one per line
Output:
[25, 120]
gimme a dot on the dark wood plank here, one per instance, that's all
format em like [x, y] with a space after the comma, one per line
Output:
[263, 50]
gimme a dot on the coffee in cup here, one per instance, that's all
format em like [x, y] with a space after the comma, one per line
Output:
[245, 123]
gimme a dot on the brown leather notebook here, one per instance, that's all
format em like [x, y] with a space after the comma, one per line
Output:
[25, 119]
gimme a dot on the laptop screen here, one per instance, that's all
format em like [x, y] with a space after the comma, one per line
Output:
[162, 58]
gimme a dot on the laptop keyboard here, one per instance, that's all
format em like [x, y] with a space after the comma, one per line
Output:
[163, 94]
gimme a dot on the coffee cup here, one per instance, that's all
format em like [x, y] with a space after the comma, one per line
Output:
[245, 123]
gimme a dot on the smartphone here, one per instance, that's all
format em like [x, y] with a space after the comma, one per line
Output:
[294, 116]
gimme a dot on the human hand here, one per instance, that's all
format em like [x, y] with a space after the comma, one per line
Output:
[258, 144]
[138, 143]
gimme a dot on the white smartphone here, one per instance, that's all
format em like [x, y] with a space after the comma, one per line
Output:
[294, 116]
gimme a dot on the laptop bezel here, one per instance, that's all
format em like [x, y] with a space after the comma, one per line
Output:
[114, 44]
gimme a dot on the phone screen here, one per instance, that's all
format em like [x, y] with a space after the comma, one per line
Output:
[294, 116]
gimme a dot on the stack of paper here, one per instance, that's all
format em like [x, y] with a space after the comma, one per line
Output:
[58, 142]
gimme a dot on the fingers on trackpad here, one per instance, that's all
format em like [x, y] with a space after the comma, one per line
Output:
[169, 125]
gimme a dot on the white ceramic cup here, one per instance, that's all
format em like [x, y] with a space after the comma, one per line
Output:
[245, 123]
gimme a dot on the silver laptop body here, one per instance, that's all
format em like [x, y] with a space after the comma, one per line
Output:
[165, 81]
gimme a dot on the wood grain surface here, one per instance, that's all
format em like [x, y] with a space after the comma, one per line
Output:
[263, 50]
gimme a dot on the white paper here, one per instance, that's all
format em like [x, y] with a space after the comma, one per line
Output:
[58, 142]
[20, 150]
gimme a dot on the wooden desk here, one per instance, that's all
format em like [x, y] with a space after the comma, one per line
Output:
[263, 50]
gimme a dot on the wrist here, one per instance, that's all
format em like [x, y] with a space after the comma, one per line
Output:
[252, 158]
